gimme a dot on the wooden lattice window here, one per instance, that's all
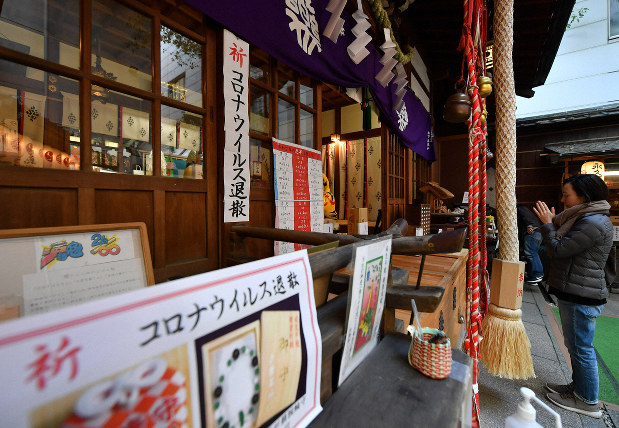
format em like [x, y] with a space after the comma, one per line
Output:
[397, 171]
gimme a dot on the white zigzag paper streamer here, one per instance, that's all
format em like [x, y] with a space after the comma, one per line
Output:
[336, 23]
[357, 49]
[388, 61]
[400, 82]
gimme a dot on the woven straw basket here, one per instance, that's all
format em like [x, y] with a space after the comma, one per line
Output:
[431, 359]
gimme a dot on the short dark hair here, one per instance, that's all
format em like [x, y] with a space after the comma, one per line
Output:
[589, 186]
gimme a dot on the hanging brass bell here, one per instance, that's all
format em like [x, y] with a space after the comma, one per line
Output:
[484, 85]
[484, 116]
[457, 108]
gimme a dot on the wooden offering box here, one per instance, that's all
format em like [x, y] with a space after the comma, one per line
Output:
[444, 270]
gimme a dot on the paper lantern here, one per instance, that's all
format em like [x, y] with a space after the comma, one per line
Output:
[593, 167]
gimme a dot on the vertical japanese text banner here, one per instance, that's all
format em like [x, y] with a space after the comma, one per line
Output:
[236, 127]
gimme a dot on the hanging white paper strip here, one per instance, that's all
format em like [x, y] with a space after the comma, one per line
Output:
[400, 82]
[388, 61]
[336, 23]
[236, 125]
[357, 50]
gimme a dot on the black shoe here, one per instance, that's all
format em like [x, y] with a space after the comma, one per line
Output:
[569, 401]
[558, 388]
[534, 280]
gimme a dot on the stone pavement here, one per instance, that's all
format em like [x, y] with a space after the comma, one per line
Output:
[498, 398]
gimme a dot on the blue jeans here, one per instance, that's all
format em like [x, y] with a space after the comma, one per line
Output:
[531, 254]
[578, 323]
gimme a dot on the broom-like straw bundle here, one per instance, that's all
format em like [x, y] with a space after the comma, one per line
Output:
[506, 351]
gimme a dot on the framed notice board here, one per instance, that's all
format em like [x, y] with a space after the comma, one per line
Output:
[46, 268]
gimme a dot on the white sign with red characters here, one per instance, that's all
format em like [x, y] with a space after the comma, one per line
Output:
[234, 347]
[299, 203]
[236, 127]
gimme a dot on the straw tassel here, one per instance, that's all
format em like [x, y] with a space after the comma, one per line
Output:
[505, 349]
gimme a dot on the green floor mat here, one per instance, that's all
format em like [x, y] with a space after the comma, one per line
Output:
[605, 343]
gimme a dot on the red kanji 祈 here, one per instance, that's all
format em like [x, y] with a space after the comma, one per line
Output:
[50, 362]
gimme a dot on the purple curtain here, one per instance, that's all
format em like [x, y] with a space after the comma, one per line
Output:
[291, 31]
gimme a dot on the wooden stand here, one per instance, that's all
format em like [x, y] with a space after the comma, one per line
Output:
[385, 391]
[442, 270]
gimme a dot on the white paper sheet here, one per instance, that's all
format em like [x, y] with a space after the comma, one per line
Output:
[159, 336]
[366, 301]
[51, 290]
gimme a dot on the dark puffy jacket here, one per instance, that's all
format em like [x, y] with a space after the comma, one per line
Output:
[578, 259]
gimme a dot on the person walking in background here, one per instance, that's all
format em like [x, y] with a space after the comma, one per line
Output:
[528, 230]
[578, 241]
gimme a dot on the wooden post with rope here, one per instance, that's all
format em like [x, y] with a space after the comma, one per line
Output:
[505, 349]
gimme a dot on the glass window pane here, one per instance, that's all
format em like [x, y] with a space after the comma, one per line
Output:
[181, 143]
[260, 157]
[43, 136]
[306, 92]
[285, 119]
[259, 110]
[121, 134]
[307, 129]
[613, 25]
[121, 44]
[286, 84]
[259, 68]
[44, 29]
[181, 67]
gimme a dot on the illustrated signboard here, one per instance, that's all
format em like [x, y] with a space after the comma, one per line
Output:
[366, 300]
[48, 268]
[236, 127]
[299, 203]
[235, 347]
